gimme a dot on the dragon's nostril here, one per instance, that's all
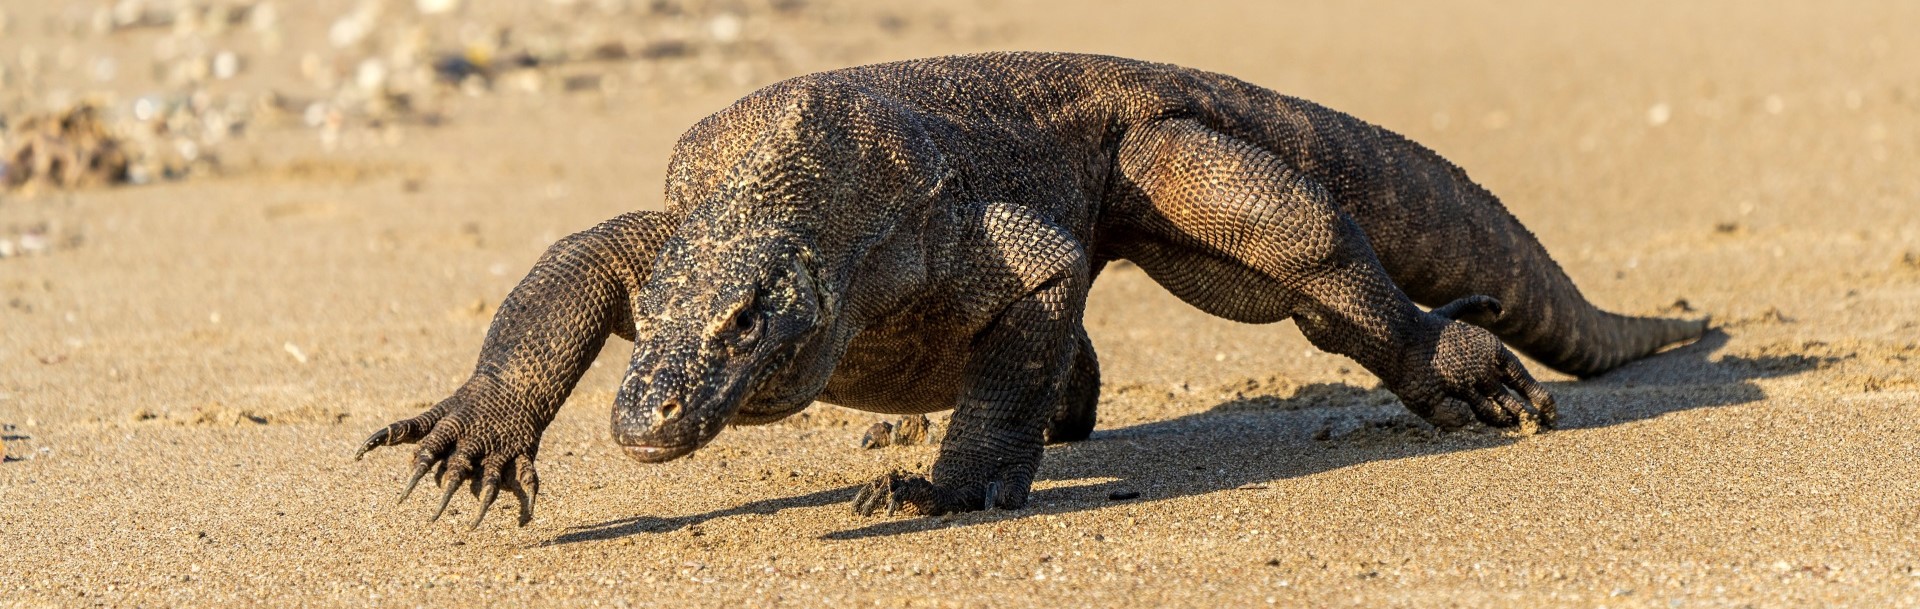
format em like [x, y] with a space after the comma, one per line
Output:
[670, 410]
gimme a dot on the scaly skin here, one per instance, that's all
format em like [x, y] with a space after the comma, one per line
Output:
[918, 236]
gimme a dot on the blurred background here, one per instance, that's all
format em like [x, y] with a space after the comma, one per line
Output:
[156, 90]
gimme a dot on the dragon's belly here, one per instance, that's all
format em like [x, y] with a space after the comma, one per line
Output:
[905, 366]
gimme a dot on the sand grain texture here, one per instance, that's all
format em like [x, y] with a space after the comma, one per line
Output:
[185, 374]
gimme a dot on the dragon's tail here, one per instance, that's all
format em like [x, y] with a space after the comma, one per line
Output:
[1590, 342]
[1452, 239]
[1543, 314]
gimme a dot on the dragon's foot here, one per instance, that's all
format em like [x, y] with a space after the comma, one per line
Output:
[901, 492]
[1465, 364]
[915, 429]
[468, 440]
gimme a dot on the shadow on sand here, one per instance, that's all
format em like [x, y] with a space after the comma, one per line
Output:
[1260, 439]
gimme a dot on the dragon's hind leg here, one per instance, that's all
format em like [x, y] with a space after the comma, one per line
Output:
[1449, 239]
[1238, 232]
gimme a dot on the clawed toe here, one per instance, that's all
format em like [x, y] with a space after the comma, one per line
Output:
[378, 439]
[1468, 366]
[452, 454]
[899, 492]
[419, 471]
[896, 492]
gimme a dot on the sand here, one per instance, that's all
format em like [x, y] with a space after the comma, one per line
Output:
[185, 371]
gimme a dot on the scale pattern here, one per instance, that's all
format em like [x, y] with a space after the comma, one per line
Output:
[921, 236]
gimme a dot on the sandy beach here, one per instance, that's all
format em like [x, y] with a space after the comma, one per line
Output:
[186, 364]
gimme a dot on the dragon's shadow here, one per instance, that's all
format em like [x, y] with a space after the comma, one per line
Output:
[1260, 439]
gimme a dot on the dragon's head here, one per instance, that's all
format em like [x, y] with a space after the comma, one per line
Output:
[745, 289]
[728, 309]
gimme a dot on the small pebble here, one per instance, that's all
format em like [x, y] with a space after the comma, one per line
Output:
[724, 28]
[454, 68]
[294, 350]
[1659, 114]
[127, 13]
[264, 17]
[581, 82]
[315, 115]
[148, 107]
[105, 69]
[437, 7]
[226, 65]
[33, 243]
[351, 29]
[371, 75]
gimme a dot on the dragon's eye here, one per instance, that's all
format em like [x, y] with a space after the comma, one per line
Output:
[744, 320]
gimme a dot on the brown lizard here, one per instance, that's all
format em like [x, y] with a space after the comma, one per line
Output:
[920, 236]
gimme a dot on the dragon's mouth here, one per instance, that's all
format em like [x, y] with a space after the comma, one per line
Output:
[659, 454]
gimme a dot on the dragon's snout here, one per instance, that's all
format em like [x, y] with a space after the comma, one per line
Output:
[662, 416]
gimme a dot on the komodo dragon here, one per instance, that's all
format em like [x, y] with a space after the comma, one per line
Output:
[917, 236]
